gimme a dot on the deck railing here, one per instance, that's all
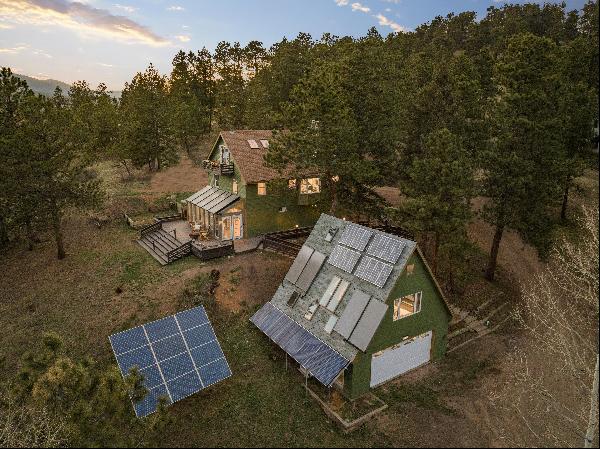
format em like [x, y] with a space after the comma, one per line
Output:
[179, 252]
[150, 228]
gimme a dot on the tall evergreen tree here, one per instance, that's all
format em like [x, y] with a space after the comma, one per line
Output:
[520, 167]
[146, 127]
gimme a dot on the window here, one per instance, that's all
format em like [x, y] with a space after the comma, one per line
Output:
[262, 188]
[310, 185]
[410, 269]
[234, 186]
[408, 305]
[224, 154]
[292, 184]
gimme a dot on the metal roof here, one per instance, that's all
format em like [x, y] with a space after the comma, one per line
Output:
[213, 199]
[355, 326]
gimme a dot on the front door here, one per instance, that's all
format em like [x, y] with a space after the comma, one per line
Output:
[237, 227]
[226, 234]
[232, 227]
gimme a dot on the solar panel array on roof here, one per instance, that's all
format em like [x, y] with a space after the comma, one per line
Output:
[344, 258]
[374, 271]
[386, 247]
[352, 313]
[318, 358]
[178, 356]
[252, 143]
[356, 236]
[367, 325]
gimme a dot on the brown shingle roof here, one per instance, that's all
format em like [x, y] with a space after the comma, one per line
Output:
[250, 161]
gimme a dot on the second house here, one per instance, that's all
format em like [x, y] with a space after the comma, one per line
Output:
[245, 197]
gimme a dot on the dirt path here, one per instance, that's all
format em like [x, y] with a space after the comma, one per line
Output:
[183, 177]
[515, 256]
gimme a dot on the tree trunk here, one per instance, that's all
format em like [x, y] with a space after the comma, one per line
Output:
[3, 232]
[56, 225]
[491, 269]
[593, 419]
[30, 236]
[124, 162]
[565, 202]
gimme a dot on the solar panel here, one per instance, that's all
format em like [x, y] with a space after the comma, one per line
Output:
[344, 258]
[309, 273]
[386, 247]
[368, 324]
[356, 236]
[352, 313]
[178, 356]
[374, 271]
[299, 263]
[318, 358]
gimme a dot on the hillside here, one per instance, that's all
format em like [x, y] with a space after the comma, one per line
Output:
[44, 87]
[47, 86]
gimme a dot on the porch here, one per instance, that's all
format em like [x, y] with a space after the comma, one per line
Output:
[211, 214]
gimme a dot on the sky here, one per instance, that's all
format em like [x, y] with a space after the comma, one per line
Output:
[109, 41]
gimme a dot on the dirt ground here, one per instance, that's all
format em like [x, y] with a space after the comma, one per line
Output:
[183, 177]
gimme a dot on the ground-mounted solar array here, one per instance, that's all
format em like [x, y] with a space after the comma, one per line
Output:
[178, 356]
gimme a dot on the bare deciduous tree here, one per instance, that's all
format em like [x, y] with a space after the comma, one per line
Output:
[23, 425]
[553, 390]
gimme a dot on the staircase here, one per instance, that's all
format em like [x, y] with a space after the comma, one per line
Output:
[161, 245]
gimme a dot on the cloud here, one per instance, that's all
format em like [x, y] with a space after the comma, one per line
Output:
[358, 7]
[79, 17]
[175, 8]
[39, 52]
[125, 8]
[13, 50]
[384, 21]
[102, 64]
[182, 38]
[5, 26]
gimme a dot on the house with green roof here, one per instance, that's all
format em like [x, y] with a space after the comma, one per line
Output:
[357, 308]
[245, 197]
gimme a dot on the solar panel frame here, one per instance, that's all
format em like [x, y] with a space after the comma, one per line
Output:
[175, 349]
[368, 324]
[310, 271]
[299, 263]
[343, 258]
[386, 247]
[356, 236]
[318, 358]
[352, 313]
[373, 270]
